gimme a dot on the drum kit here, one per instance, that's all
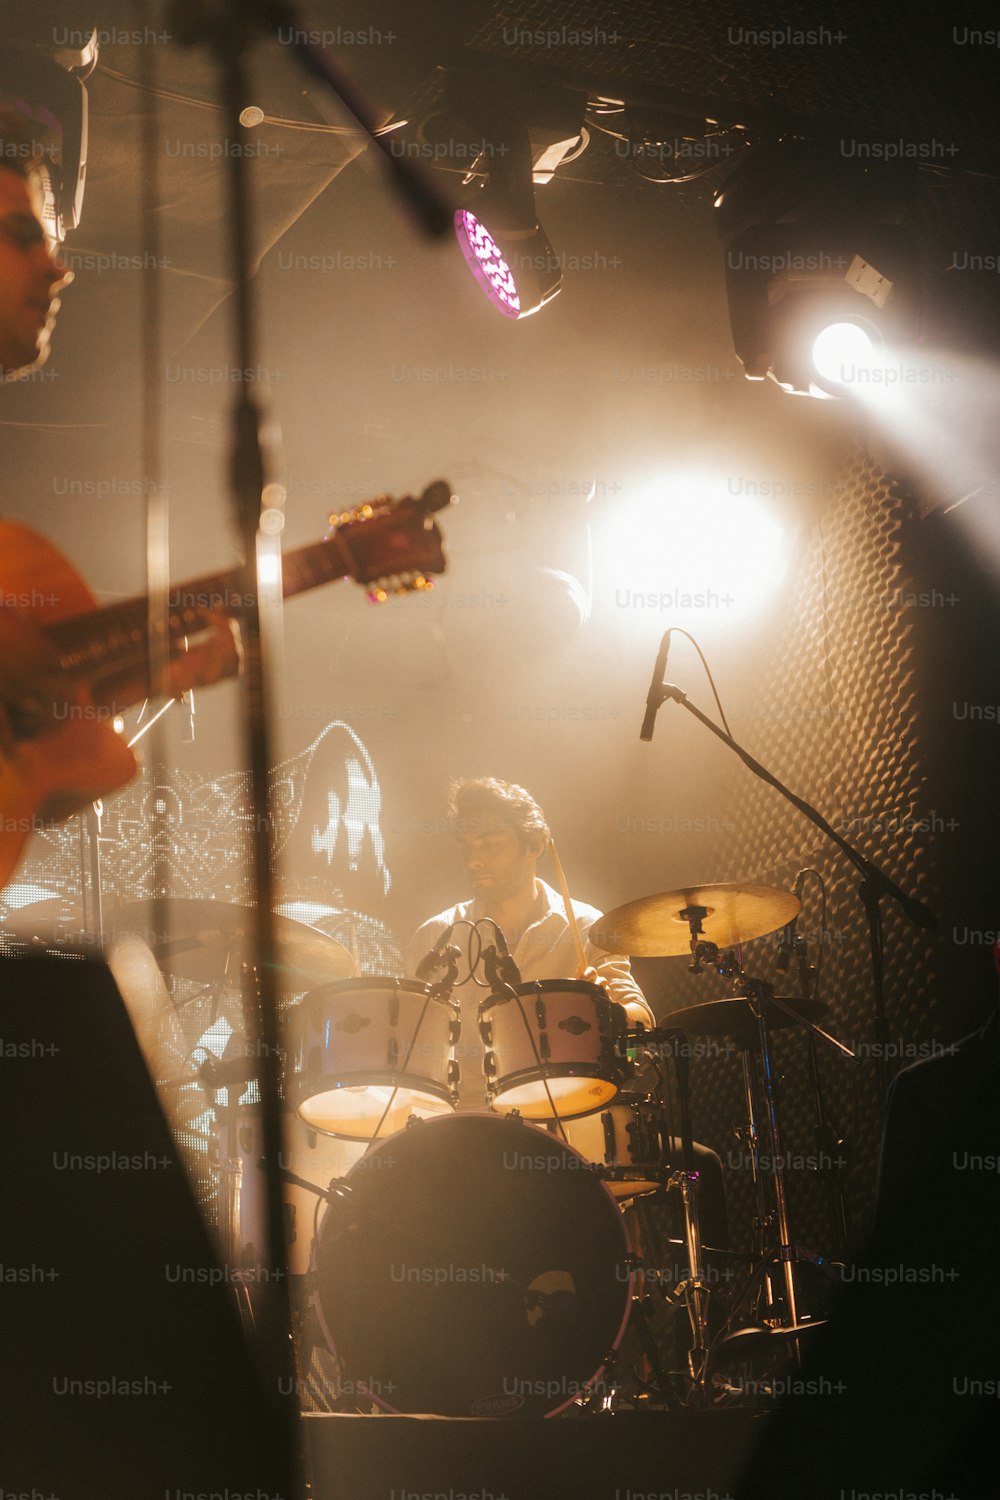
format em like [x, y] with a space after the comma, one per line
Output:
[508, 1262]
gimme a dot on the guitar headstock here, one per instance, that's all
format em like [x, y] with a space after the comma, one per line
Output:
[391, 546]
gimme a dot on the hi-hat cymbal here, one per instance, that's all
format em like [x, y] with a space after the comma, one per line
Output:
[735, 1018]
[660, 926]
[209, 941]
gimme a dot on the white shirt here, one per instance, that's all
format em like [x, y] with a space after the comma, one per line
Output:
[545, 950]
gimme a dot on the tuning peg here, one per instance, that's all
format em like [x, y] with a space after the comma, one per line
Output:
[437, 495]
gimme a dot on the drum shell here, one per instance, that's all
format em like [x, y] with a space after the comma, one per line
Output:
[427, 1275]
[357, 1041]
[582, 1047]
[626, 1140]
[236, 1152]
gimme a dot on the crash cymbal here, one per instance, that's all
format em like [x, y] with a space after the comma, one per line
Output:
[660, 926]
[209, 941]
[735, 1018]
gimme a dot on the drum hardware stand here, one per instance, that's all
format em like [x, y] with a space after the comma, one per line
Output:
[761, 1091]
[90, 865]
[693, 1290]
[829, 1141]
[875, 883]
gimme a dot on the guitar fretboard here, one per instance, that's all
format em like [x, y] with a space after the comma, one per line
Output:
[115, 637]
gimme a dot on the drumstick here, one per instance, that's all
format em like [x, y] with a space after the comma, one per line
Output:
[574, 926]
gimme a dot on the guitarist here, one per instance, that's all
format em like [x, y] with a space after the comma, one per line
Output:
[60, 763]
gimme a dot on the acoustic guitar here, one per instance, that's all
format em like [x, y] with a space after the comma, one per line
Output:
[60, 748]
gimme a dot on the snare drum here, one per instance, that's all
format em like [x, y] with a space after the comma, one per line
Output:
[555, 1049]
[478, 1268]
[371, 1053]
[629, 1141]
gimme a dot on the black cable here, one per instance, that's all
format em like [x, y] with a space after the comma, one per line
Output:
[679, 630]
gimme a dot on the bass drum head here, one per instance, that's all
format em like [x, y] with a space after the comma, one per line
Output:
[478, 1269]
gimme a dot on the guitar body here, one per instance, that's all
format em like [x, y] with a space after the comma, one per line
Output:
[48, 777]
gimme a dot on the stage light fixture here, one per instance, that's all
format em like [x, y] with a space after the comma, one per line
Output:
[523, 128]
[710, 557]
[46, 89]
[841, 346]
[821, 272]
[519, 272]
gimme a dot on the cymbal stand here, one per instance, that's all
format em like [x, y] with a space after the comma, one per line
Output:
[756, 991]
[693, 1290]
[760, 1086]
[829, 1142]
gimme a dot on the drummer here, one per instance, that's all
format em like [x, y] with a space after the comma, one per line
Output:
[502, 835]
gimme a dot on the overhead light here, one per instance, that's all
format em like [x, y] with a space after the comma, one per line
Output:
[46, 91]
[709, 557]
[821, 273]
[518, 271]
[523, 129]
[842, 346]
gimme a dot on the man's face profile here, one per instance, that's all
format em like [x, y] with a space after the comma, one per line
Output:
[29, 275]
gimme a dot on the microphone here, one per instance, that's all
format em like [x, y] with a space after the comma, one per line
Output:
[786, 947]
[653, 697]
[507, 969]
[432, 959]
[787, 941]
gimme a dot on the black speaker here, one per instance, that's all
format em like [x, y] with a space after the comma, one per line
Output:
[124, 1371]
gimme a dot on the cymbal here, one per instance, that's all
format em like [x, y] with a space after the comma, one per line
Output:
[659, 926]
[749, 1343]
[735, 1018]
[209, 941]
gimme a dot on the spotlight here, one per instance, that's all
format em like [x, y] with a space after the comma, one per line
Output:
[46, 89]
[538, 275]
[708, 557]
[522, 128]
[820, 271]
[841, 346]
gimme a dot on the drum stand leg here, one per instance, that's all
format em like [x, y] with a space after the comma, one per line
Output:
[786, 1249]
[692, 1291]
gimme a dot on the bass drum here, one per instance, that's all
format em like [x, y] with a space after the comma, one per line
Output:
[479, 1268]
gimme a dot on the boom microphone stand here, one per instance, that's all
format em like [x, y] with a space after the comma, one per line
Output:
[227, 30]
[875, 883]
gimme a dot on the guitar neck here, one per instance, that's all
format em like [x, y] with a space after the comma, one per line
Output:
[116, 637]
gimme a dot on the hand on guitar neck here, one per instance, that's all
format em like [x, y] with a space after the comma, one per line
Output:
[67, 667]
[59, 750]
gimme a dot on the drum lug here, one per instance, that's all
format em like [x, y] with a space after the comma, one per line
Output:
[392, 1053]
[454, 1075]
[454, 1031]
[608, 1126]
[486, 1033]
